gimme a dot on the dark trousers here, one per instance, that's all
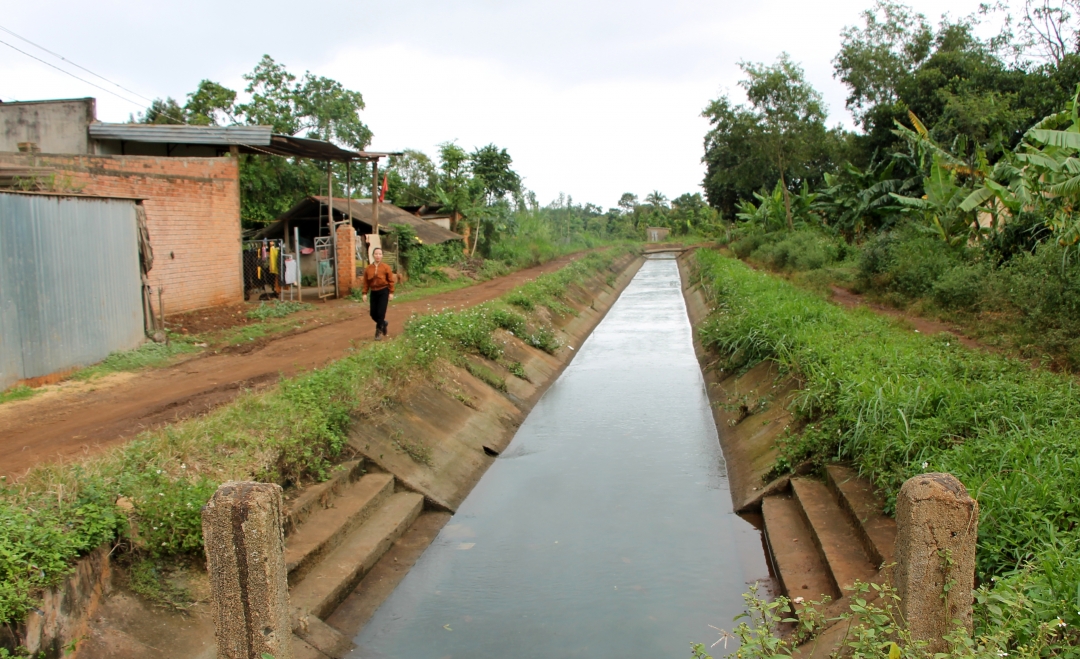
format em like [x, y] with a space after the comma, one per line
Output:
[379, 299]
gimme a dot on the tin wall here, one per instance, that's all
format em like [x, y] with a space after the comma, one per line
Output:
[69, 283]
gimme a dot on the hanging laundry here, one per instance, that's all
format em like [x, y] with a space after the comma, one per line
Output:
[274, 260]
[290, 270]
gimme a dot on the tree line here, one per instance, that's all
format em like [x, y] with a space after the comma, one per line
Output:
[959, 132]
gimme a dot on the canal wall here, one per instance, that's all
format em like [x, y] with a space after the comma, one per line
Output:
[750, 409]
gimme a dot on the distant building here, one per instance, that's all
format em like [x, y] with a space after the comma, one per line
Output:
[657, 234]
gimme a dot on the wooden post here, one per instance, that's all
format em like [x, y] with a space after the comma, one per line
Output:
[375, 187]
[245, 557]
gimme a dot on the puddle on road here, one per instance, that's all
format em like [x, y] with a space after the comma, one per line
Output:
[605, 529]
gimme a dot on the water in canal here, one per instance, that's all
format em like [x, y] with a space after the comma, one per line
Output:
[605, 528]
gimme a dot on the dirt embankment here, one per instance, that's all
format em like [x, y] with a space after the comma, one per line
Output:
[83, 419]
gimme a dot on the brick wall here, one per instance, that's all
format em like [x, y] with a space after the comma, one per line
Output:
[346, 258]
[192, 212]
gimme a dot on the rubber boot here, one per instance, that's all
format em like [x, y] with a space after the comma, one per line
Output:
[378, 333]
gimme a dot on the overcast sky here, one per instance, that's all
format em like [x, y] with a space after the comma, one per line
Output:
[591, 99]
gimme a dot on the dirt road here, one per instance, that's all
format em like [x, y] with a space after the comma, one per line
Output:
[65, 425]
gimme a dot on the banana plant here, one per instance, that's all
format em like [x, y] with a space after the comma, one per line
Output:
[770, 213]
[1042, 174]
[857, 200]
[941, 204]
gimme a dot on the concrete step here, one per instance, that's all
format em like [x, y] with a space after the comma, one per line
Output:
[335, 576]
[799, 566]
[324, 638]
[317, 496]
[326, 527]
[876, 530]
[834, 534]
[301, 649]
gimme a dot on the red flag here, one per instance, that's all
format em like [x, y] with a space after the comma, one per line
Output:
[382, 193]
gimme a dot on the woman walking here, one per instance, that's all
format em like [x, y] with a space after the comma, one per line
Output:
[379, 282]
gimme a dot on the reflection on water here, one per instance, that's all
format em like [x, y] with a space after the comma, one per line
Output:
[605, 529]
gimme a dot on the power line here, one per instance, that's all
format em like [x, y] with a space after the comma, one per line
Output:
[165, 111]
[18, 36]
[50, 64]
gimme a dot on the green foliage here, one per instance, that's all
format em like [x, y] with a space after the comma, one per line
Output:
[782, 135]
[277, 309]
[40, 535]
[1007, 623]
[411, 179]
[420, 259]
[801, 250]
[897, 404]
[306, 106]
[150, 490]
[147, 355]
[905, 263]
[518, 370]
[855, 201]
[20, 392]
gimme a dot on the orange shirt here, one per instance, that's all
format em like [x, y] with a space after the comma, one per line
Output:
[378, 277]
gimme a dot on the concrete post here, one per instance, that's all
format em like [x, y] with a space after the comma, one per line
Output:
[245, 556]
[936, 528]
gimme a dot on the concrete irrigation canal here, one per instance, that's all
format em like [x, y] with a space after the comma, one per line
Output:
[605, 528]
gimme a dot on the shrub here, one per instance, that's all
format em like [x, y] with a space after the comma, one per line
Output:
[905, 263]
[801, 250]
[961, 287]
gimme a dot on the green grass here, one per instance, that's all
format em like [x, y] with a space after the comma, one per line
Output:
[20, 392]
[150, 490]
[145, 356]
[277, 309]
[897, 404]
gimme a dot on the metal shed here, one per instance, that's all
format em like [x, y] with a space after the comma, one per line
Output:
[70, 282]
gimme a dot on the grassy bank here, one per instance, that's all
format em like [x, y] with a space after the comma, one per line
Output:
[148, 493]
[897, 404]
[1008, 292]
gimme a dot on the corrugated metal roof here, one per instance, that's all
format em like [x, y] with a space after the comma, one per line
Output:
[311, 208]
[250, 139]
[175, 134]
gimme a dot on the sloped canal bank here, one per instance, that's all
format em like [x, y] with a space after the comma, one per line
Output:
[606, 526]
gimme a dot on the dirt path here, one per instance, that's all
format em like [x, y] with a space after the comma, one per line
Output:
[65, 425]
[846, 298]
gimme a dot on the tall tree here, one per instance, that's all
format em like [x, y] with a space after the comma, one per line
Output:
[412, 179]
[790, 113]
[306, 105]
[876, 57]
[736, 165]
